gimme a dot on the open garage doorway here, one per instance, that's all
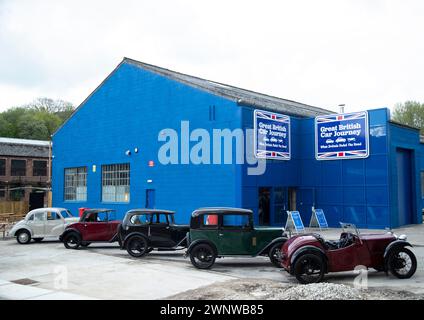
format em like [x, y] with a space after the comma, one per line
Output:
[264, 208]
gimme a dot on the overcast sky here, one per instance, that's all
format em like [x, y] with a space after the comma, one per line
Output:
[363, 53]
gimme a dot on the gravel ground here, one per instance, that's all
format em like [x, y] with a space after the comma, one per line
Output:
[253, 289]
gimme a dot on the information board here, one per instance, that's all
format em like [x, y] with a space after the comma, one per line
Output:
[294, 221]
[272, 135]
[318, 219]
[342, 136]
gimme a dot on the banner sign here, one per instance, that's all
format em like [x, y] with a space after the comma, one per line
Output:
[318, 219]
[272, 135]
[294, 221]
[342, 136]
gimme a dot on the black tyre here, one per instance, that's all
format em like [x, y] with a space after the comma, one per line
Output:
[202, 256]
[72, 241]
[23, 236]
[85, 244]
[402, 263]
[38, 239]
[137, 246]
[309, 268]
[275, 254]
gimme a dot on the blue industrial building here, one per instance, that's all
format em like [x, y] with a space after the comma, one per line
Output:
[106, 155]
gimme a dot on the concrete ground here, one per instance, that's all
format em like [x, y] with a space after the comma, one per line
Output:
[49, 271]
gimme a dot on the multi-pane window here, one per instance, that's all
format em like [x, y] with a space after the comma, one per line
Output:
[39, 168]
[2, 167]
[76, 184]
[116, 183]
[18, 168]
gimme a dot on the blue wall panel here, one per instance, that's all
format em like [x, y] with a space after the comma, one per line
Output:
[127, 112]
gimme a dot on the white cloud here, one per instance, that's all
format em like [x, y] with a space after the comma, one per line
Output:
[362, 53]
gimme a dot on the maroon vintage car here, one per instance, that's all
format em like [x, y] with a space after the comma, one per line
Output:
[309, 257]
[95, 225]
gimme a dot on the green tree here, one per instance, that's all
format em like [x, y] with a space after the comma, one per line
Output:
[36, 120]
[5, 127]
[51, 121]
[410, 113]
[29, 127]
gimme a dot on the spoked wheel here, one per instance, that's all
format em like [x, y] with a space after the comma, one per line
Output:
[309, 268]
[402, 263]
[202, 256]
[137, 247]
[72, 241]
[275, 255]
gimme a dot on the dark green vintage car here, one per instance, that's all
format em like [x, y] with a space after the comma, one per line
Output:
[221, 232]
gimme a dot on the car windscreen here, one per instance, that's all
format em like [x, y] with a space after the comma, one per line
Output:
[66, 214]
[235, 221]
[141, 218]
[160, 218]
[102, 217]
[171, 218]
[53, 215]
[111, 215]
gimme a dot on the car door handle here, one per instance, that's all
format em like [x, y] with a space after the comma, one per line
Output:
[220, 234]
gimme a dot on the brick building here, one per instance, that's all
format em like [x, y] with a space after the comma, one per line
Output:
[24, 171]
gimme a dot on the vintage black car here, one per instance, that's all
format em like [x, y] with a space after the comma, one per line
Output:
[143, 230]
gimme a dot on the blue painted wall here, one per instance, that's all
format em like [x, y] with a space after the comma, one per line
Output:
[128, 111]
[403, 139]
[133, 105]
[355, 191]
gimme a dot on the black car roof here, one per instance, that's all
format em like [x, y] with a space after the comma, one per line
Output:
[218, 210]
[149, 211]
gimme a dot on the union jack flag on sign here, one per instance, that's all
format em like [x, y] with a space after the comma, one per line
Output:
[272, 116]
[342, 136]
[341, 117]
[272, 135]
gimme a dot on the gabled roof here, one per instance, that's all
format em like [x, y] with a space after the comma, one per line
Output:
[239, 95]
[242, 97]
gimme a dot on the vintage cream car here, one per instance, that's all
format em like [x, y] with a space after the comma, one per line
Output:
[41, 223]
